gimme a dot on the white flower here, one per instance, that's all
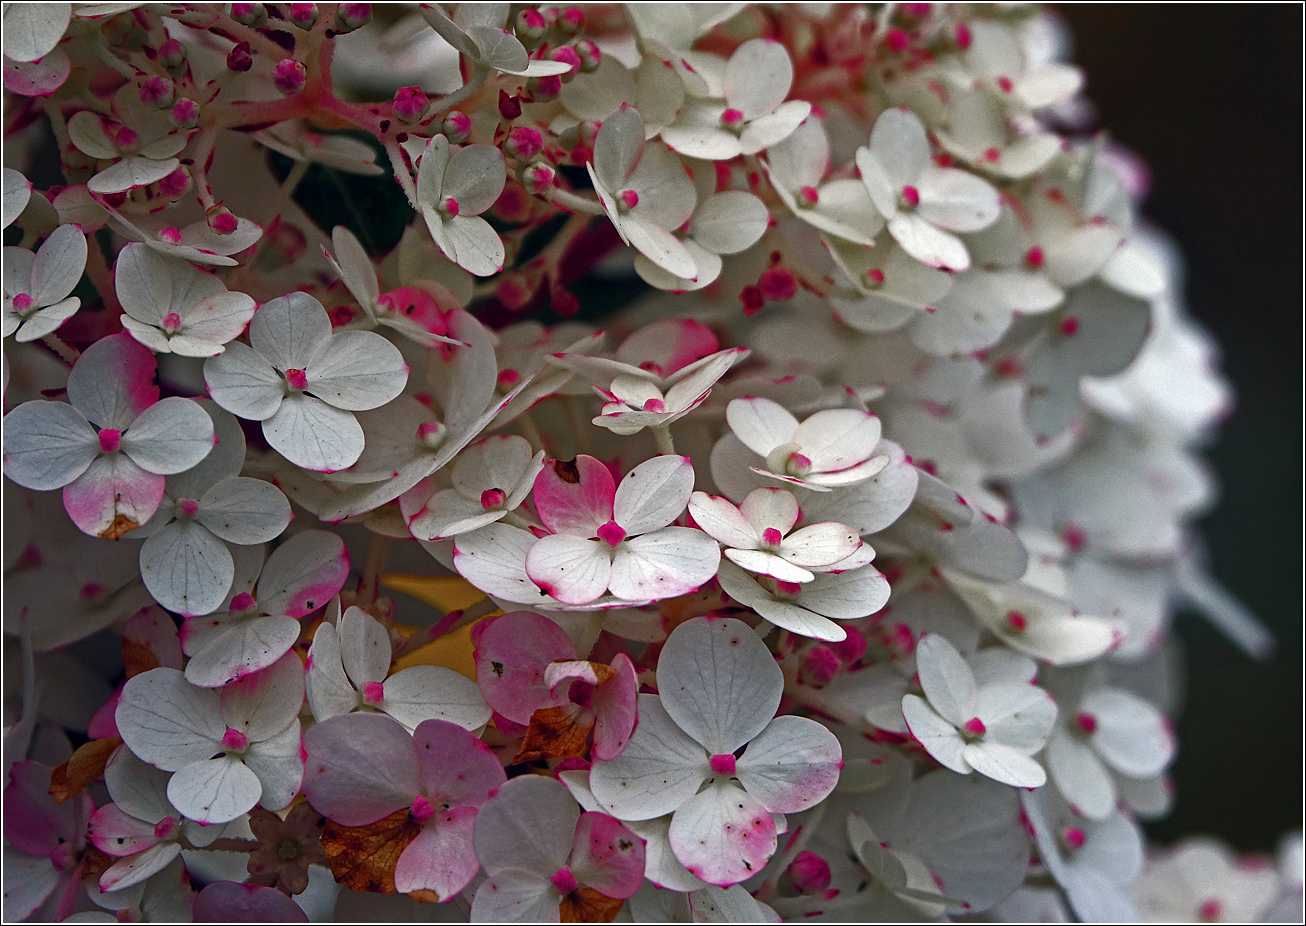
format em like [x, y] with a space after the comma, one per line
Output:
[195, 242]
[652, 88]
[993, 729]
[806, 608]
[996, 61]
[37, 285]
[797, 168]
[831, 448]
[303, 381]
[644, 191]
[490, 479]
[753, 115]
[171, 307]
[17, 193]
[143, 148]
[923, 204]
[476, 31]
[755, 535]
[229, 750]
[719, 690]
[452, 192]
[724, 223]
[348, 667]
[635, 402]
[110, 446]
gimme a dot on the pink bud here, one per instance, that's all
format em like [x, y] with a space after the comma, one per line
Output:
[612, 533]
[568, 56]
[538, 177]
[158, 92]
[297, 379]
[590, 56]
[530, 26]
[492, 499]
[351, 16]
[422, 809]
[456, 126]
[1069, 326]
[809, 873]
[1210, 910]
[732, 119]
[253, 15]
[1016, 621]
[657, 406]
[450, 207]
[90, 591]
[509, 106]
[109, 440]
[896, 40]
[544, 88]
[175, 185]
[975, 727]
[410, 104]
[778, 284]
[240, 59]
[874, 277]
[166, 828]
[242, 603]
[564, 881]
[571, 20]
[373, 692]
[171, 323]
[126, 139]
[1004, 84]
[221, 220]
[290, 76]
[911, 196]
[22, 302]
[234, 739]
[523, 142]
[188, 507]
[172, 55]
[820, 665]
[430, 433]
[1086, 722]
[1034, 257]
[752, 299]
[772, 537]
[185, 114]
[170, 236]
[303, 15]
[961, 35]
[1073, 836]
[722, 764]
[850, 648]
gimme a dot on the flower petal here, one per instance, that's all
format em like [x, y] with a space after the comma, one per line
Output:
[653, 494]
[47, 444]
[608, 857]
[474, 178]
[574, 497]
[310, 433]
[244, 383]
[791, 765]
[940, 738]
[758, 77]
[946, 679]
[761, 424]
[660, 769]
[325, 683]
[441, 859]
[168, 722]
[528, 825]
[186, 568]
[571, 569]
[359, 768]
[112, 497]
[215, 790]
[113, 381]
[170, 436]
[303, 574]
[723, 835]
[663, 564]
[422, 693]
[244, 510]
[290, 331]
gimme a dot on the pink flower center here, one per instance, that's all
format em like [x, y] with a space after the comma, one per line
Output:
[91, 590]
[422, 809]
[234, 739]
[126, 139]
[732, 119]
[110, 438]
[1034, 257]
[723, 763]
[655, 405]
[975, 727]
[297, 379]
[1004, 84]
[170, 236]
[1073, 836]
[788, 589]
[628, 199]
[373, 692]
[492, 499]
[508, 378]
[188, 507]
[166, 828]
[1075, 538]
[798, 464]
[874, 277]
[772, 537]
[564, 881]
[808, 196]
[1210, 911]
[581, 693]
[1016, 621]
[911, 197]
[22, 302]
[450, 208]
[992, 155]
[820, 665]
[1069, 326]
[242, 603]
[171, 323]
[612, 533]
[430, 434]
[1086, 722]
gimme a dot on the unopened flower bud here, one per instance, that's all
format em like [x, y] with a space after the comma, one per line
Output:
[175, 185]
[290, 76]
[809, 873]
[564, 303]
[220, 219]
[456, 126]
[172, 55]
[509, 106]
[124, 31]
[410, 104]
[185, 114]
[568, 56]
[537, 177]
[351, 16]
[571, 20]
[778, 284]
[158, 92]
[544, 88]
[126, 139]
[254, 15]
[530, 26]
[820, 666]
[582, 155]
[590, 56]
[523, 143]
[302, 15]
[239, 58]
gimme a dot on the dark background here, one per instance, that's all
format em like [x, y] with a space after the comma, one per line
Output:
[1211, 98]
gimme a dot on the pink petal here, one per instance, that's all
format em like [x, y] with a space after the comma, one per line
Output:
[615, 710]
[723, 835]
[115, 833]
[360, 768]
[668, 345]
[455, 766]
[113, 381]
[607, 856]
[441, 859]
[113, 496]
[575, 497]
[513, 653]
[571, 569]
[229, 902]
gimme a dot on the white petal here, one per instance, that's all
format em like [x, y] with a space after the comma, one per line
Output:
[354, 267]
[698, 133]
[820, 544]
[170, 436]
[722, 520]
[515, 896]
[1004, 764]
[474, 178]
[244, 383]
[476, 246]
[214, 790]
[289, 331]
[660, 768]
[1080, 776]
[278, 764]
[447, 514]
[47, 444]
[134, 869]
[653, 494]
[791, 765]
[929, 245]
[768, 564]
[131, 172]
[719, 682]
[243, 510]
[660, 246]
[527, 826]
[357, 370]
[956, 200]
[618, 147]
[900, 146]
[729, 222]
[58, 265]
[1132, 736]
[430, 169]
[838, 438]
[571, 569]
[325, 683]
[17, 193]
[939, 737]
[168, 722]
[434, 692]
[758, 77]
[723, 834]
[770, 508]
[310, 433]
[113, 382]
[365, 650]
[225, 650]
[498, 49]
[663, 564]
[262, 705]
[761, 424]
[186, 568]
[946, 679]
[1020, 716]
[213, 321]
[494, 560]
[846, 595]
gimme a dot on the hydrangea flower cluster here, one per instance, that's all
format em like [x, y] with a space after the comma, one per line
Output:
[663, 462]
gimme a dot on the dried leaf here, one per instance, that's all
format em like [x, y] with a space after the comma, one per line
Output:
[86, 765]
[363, 858]
[556, 733]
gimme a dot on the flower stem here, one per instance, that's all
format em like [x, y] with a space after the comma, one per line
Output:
[662, 435]
[370, 582]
